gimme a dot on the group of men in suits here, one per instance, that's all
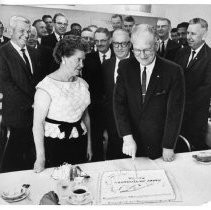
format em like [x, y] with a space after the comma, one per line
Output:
[140, 96]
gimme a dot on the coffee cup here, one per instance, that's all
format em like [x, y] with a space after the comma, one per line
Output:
[79, 193]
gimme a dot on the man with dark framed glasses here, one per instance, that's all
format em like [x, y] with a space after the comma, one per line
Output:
[148, 99]
[121, 46]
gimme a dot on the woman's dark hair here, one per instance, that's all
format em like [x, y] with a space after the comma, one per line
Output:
[67, 46]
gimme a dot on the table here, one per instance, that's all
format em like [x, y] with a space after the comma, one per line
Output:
[191, 180]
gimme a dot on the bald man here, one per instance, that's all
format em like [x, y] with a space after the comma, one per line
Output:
[148, 99]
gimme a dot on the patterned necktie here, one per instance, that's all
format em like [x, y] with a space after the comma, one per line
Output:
[192, 59]
[143, 83]
[26, 61]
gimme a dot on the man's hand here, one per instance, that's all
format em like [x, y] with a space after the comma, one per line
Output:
[168, 155]
[129, 146]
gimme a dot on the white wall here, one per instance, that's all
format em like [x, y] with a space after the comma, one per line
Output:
[175, 12]
[178, 13]
[84, 18]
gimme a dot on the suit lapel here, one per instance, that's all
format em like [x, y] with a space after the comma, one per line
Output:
[19, 59]
[199, 56]
[135, 81]
[152, 83]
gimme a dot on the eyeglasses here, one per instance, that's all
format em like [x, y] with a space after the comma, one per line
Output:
[122, 44]
[145, 51]
[87, 38]
[60, 24]
[103, 41]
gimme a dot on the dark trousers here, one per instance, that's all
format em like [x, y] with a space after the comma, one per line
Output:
[97, 128]
[20, 151]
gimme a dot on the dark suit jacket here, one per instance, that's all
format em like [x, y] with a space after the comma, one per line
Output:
[49, 41]
[18, 86]
[46, 61]
[6, 39]
[198, 88]
[155, 124]
[171, 50]
[92, 73]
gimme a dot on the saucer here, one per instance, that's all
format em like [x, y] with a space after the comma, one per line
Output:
[16, 197]
[203, 157]
[87, 200]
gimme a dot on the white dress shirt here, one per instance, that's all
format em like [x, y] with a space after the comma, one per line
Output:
[18, 49]
[197, 51]
[108, 55]
[165, 44]
[116, 67]
[58, 36]
[149, 70]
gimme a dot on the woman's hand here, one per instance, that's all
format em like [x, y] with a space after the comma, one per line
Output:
[39, 165]
[89, 152]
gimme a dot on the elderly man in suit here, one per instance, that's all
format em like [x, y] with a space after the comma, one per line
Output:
[3, 39]
[60, 26]
[196, 63]
[92, 73]
[121, 45]
[18, 71]
[148, 99]
[167, 47]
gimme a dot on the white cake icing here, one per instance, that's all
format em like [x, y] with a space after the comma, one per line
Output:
[119, 187]
[62, 172]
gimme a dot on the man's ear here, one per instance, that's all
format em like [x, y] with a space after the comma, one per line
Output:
[204, 35]
[10, 30]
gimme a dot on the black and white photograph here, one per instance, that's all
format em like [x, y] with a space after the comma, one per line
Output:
[105, 103]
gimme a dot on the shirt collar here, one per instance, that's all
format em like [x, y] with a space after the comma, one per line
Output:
[58, 36]
[17, 47]
[198, 49]
[150, 66]
[108, 54]
[117, 59]
[2, 39]
[165, 41]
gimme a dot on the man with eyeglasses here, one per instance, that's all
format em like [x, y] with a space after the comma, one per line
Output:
[3, 39]
[60, 23]
[92, 73]
[121, 46]
[167, 47]
[148, 99]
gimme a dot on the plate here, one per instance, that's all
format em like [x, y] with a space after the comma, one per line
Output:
[203, 157]
[15, 197]
[88, 200]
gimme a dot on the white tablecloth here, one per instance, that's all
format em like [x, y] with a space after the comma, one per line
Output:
[191, 180]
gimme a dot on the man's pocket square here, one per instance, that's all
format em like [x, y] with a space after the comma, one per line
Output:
[160, 93]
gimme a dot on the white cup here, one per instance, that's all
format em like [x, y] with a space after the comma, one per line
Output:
[79, 194]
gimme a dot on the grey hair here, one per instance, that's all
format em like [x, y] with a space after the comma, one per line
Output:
[200, 21]
[15, 19]
[121, 30]
[142, 28]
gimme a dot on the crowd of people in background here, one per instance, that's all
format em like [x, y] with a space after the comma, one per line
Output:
[90, 94]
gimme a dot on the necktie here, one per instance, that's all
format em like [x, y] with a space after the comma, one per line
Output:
[162, 49]
[143, 83]
[104, 57]
[192, 59]
[26, 61]
[60, 37]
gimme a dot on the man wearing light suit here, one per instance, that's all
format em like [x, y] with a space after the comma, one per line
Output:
[196, 63]
[148, 99]
[18, 72]
[121, 45]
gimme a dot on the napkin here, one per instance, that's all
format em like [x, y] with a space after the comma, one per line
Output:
[50, 198]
